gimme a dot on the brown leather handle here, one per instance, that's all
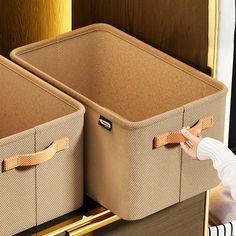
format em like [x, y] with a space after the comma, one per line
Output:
[35, 158]
[177, 137]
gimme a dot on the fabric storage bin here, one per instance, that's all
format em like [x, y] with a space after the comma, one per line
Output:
[41, 150]
[134, 95]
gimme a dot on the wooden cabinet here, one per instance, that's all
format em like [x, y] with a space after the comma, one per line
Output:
[25, 21]
[177, 27]
[185, 218]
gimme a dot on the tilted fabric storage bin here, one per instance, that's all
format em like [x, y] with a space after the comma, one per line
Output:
[133, 94]
[41, 150]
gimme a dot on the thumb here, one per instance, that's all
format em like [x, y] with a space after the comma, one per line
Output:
[189, 136]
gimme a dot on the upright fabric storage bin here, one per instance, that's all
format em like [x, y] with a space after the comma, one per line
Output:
[41, 151]
[134, 96]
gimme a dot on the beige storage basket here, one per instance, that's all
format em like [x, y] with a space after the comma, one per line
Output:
[134, 95]
[41, 151]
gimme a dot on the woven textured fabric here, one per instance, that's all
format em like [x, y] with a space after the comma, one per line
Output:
[33, 115]
[17, 187]
[199, 176]
[59, 181]
[134, 180]
[132, 93]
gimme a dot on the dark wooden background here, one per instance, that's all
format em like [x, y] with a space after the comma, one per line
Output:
[26, 21]
[232, 127]
[182, 219]
[177, 27]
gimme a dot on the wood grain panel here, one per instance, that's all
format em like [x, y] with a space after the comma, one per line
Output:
[185, 218]
[177, 27]
[24, 21]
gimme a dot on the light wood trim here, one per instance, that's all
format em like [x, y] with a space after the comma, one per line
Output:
[213, 28]
[206, 213]
[54, 228]
[82, 224]
[93, 226]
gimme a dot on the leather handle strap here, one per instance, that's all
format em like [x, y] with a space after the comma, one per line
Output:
[36, 158]
[177, 137]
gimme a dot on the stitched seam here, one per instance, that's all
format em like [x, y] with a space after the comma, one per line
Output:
[36, 189]
[54, 126]
[181, 162]
[190, 109]
[38, 131]
[20, 139]
[120, 37]
[204, 104]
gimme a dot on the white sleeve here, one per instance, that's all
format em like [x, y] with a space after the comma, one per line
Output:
[224, 161]
[228, 229]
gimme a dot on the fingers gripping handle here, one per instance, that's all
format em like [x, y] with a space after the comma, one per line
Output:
[36, 158]
[177, 137]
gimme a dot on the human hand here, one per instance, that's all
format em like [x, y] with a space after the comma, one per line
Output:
[190, 146]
